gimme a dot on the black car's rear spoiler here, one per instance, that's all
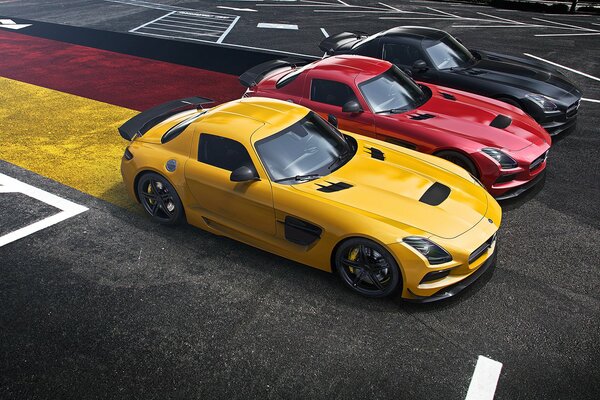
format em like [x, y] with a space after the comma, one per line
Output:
[256, 74]
[145, 120]
[340, 41]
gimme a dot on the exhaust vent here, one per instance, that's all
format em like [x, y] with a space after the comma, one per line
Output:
[501, 122]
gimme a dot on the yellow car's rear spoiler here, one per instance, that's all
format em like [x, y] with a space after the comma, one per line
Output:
[145, 120]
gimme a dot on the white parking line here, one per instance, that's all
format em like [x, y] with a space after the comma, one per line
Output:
[562, 66]
[569, 34]
[324, 32]
[590, 100]
[213, 27]
[68, 208]
[220, 40]
[237, 9]
[277, 26]
[563, 24]
[485, 378]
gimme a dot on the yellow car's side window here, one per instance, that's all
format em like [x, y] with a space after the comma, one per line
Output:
[223, 152]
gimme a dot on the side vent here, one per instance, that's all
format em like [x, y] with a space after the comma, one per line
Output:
[420, 117]
[376, 153]
[301, 232]
[448, 96]
[435, 195]
[501, 122]
[333, 187]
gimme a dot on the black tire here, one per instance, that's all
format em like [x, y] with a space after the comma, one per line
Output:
[367, 268]
[510, 101]
[160, 199]
[459, 159]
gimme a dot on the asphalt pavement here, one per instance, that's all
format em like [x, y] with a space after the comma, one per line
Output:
[107, 304]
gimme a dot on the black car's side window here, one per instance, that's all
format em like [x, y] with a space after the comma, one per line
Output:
[223, 152]
[401, 53]
[331, 92]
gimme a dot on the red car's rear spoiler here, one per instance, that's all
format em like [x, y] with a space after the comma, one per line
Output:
[145, 120]
[255, 74]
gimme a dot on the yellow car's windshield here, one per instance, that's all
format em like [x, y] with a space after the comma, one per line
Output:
[306, 150]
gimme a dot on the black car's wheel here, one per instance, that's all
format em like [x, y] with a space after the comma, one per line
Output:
[510, 101]
[159, 198]
[367, 268]
[459, 159]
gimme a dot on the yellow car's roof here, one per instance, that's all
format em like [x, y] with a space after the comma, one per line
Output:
[255, 117]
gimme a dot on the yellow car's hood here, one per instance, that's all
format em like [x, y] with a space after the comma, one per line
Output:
[393, 188]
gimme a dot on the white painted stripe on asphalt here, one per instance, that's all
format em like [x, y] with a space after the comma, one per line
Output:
[68, 208]
[569, 34]
[443, 12]
[563, 67]
[485, 378]
[148, 23]
[590, 100]
[220, 40]
[344, 3]
[237, 9]
[501, 19]
[324, 32]
[390, 7]
[276, 26]
[562, 24]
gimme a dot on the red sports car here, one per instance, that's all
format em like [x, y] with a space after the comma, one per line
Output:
[496, 142]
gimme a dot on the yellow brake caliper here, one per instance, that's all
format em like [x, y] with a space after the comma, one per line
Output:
[352, 257]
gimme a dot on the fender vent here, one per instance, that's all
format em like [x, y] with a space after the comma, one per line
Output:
[435, 195]
[501, 122]
[333, 187]
[376, 153]
[448, 96]
[420, 117]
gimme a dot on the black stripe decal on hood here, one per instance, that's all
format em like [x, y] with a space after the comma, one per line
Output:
[436, 194]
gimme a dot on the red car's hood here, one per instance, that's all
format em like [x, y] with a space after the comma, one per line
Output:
[469, 116]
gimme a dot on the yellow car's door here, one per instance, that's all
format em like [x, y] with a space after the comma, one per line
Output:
[244, 207]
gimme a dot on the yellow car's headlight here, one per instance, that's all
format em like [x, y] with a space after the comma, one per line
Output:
[432, 252]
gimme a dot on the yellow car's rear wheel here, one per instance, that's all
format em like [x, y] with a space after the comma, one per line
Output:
[367, 268]
[159, 198]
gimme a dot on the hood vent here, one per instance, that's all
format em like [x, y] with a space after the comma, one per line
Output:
[435, 195]
[376, 153]
[448, 96]
[420, 117]
[501, 122]
[333, 187]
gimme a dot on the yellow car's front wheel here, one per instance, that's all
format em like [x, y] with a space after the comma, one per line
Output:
[367, 268]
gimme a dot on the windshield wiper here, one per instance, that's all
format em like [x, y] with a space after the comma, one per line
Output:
[394, 110]
[307, 177]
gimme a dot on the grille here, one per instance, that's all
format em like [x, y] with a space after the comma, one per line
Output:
[481, 249]
[538, 161]
[572, 110]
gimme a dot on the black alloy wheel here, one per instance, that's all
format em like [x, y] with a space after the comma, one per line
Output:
[459, 159]
[159, 198]
[367, 268]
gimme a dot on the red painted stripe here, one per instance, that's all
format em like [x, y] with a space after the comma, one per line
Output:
[114, 78]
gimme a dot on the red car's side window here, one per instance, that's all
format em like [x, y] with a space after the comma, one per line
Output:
[331, 92]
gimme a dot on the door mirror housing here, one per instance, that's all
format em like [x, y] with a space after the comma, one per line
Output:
[243, 174]
[420, 66]
[332, 119]
[352, 107]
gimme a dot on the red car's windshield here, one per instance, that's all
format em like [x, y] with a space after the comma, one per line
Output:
[392, 91]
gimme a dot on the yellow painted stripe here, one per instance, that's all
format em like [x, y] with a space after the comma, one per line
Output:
[67, 138]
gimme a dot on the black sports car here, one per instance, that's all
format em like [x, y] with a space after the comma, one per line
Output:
[432, 55]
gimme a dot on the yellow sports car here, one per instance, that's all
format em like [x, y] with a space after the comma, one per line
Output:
[276, 176]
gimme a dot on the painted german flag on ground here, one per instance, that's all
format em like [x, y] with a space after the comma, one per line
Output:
[61, 105]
